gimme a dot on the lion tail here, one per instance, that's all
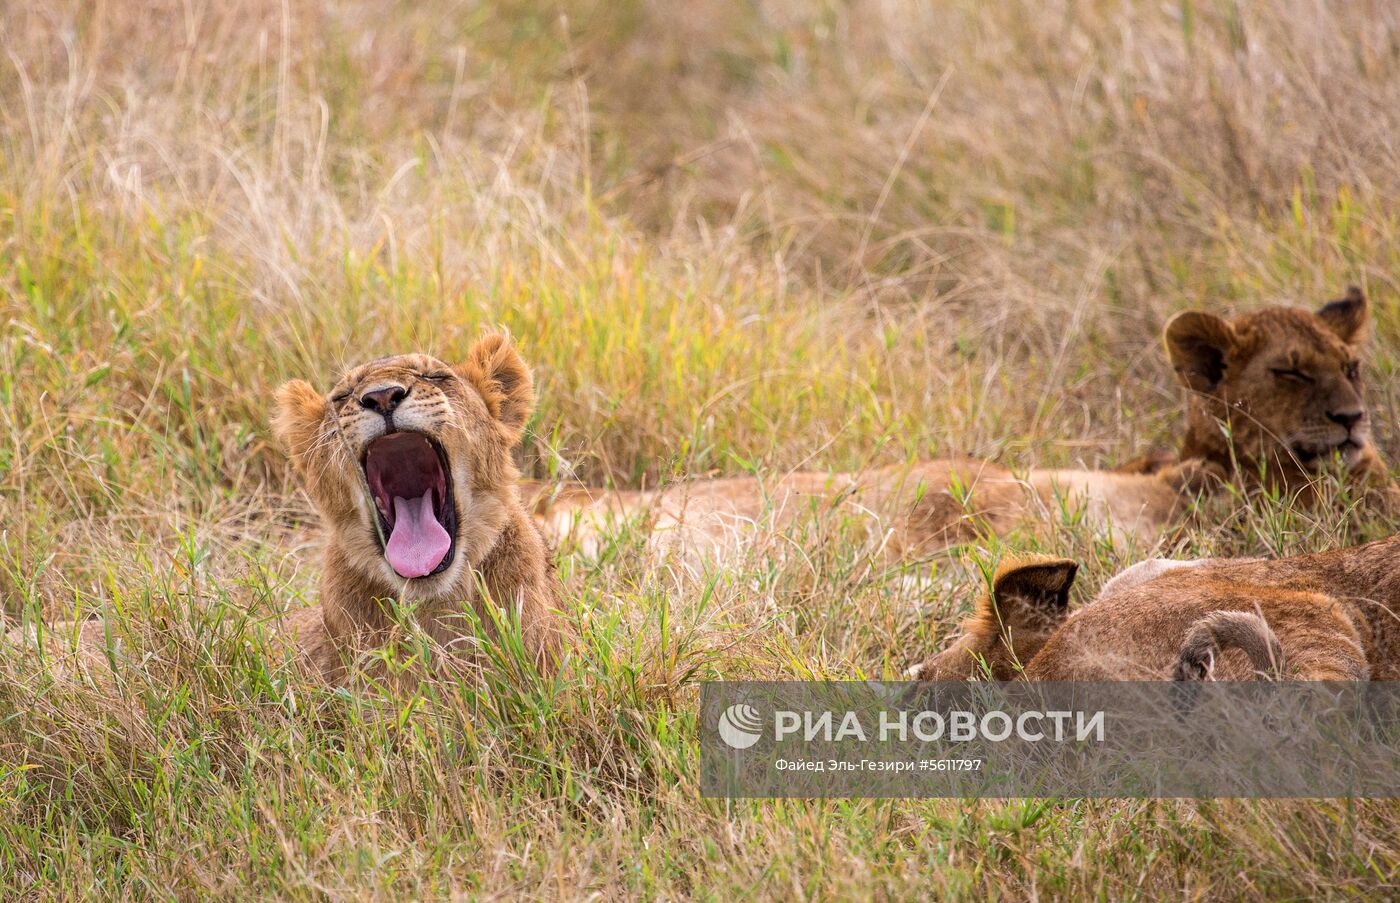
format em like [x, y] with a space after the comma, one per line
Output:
[1220, 630]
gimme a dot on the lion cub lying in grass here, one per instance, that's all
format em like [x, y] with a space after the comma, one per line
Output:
[409, 461]
[1326, 616]
[1284, 384]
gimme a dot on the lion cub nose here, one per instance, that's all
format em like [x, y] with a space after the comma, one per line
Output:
[383, 400]
[1347, 419]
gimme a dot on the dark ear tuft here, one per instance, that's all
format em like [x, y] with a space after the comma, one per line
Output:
[499, 373]
[1199, 345]
[1029, 591]
[1040, 582]
[1347, 316]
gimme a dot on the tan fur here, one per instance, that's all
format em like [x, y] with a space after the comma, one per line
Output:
[917, 509]
[476, 412]
[1333, 616]
[1249, 375]
[715, 515]
[1144, 571]
[70, 648]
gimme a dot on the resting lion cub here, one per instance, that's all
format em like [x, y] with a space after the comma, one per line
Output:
[1285, 384]
[409, 461]
[1327, 616]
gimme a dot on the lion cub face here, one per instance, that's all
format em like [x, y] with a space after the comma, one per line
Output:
[409, 461]
[1286, 383]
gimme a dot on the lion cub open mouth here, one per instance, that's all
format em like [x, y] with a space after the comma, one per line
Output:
[411, 485]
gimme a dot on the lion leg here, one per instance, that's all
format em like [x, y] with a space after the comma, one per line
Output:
[1322, 644]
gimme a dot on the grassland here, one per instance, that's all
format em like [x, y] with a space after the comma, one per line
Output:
[731, 238]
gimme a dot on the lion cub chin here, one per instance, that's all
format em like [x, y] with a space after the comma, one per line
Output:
[409, 461]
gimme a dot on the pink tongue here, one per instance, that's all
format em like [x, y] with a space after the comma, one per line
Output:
[418, 542]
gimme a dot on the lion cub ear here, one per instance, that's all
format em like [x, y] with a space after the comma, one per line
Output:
[1031, 591]
[1199, 346]
[499, 373]
[1348, 316]
[297, 417]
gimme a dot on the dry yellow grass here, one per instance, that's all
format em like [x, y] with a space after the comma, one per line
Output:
[732, 238]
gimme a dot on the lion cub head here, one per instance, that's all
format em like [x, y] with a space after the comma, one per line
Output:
[409, 461]
[1284, 383]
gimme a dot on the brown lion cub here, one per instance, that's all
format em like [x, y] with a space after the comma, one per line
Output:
[1276, 391]
[409, 461]
[1327, 616]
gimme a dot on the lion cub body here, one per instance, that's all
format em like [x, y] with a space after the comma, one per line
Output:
[1327, 616]
[1282, 384]
[1333, 615]
[473, 413]
[919, 508]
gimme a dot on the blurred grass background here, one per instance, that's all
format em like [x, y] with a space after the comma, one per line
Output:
[731, 237]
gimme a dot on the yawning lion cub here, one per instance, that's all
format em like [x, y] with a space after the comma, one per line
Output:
[409, 461]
